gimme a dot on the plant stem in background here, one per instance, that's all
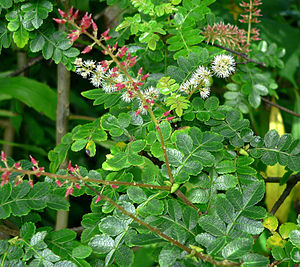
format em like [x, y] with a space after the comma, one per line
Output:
[62, 114]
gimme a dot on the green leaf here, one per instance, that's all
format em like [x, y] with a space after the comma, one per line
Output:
[101, 244]
[6, 3]
[225, 166]
[212, 225]
[35, 13]
[27, 230]
[253, 260]
[295, 254]
[62, 236]
[57, 202]
[136, 194]
[79, 144]
[168, 255]
[198, 195]
[145, 239]
[190, 217]
[253, 193]
[174, 156]
[32, 93]
[271, 139]
[111, 225]
[295, 238]
[237, 248]
[166, 130]
[124, 256]
[226, 181]
[81, 252]
[211, 103]
[224, 209]
[137, 146]
[249, 226]
[286, 228]
[174, 210]
[21, 37]
[152, 207]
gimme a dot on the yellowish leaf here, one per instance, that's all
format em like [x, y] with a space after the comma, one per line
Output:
[286, 228]
[271, 223]
[275, 241]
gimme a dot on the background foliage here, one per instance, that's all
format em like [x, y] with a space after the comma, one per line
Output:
[219, 149]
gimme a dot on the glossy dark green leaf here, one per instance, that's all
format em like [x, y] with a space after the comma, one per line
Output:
[237, 248]
[101, 244]
[212, 225]
[253, 260]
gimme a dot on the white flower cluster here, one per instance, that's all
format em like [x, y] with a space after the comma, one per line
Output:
[222, 66]
[98, 75]
[150, 94]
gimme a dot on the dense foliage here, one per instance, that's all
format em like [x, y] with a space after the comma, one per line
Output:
[179, 163]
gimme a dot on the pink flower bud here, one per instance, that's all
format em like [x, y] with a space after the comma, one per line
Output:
[170, 118]
[95, 27]
[140, 71]
[145, 77]
[77, 186]
[86, 49]
[98, 199]
[115, 46]
[105, 34]
[62, 14]
[75, 15]
[33, 161]
[17, 165]
[114, 186]
[146, 107]
[70, 12]
[157, 128]
[107, 38]
[120, 86]
[58, 182]
[69, 191]
[30, 182]
[3, 157]
[137, 112]
[59, 21]
[167, 113]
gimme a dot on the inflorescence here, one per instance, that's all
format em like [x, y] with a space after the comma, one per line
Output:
[112, 75]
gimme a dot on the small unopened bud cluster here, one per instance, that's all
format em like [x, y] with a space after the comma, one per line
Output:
[233, 37]
[222, 66]
[227, 35]
[73, 171]
[5, 177]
